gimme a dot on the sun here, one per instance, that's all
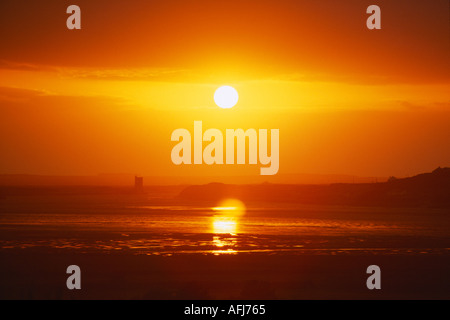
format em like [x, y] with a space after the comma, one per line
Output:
[230, 207]
[226, 97]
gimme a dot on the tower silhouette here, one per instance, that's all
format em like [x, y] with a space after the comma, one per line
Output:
[138, 183]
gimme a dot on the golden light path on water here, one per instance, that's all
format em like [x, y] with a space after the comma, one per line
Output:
[224, 225]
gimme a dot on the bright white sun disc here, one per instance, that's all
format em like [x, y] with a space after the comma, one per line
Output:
[226, 97]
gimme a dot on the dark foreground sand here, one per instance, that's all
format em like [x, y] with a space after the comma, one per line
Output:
[34, 274]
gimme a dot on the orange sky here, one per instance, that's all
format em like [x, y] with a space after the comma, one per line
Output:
[106, 98]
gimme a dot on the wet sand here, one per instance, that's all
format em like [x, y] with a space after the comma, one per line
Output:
[33, 274]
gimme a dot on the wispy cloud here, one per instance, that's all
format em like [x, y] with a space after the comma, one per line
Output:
[12, 94]
[125, 74]
[140, 74]
[413, 106]
[204, 76]
[31, 97]
[22, 66]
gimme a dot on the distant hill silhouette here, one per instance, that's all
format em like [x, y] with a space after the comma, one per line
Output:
[424, 190]
[127, 179]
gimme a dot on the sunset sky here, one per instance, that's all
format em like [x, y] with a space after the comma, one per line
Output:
[106, 98]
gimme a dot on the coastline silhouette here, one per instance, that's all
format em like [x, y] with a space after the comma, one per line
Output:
[427, 190]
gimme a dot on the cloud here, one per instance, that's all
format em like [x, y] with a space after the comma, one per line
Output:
[30, 98]
[102, 73]
[23, 66]
[126, 74]
[207, 76]
[413, 106]
[18, 94]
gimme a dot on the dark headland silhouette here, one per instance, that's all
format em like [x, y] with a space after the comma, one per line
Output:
[423, 190]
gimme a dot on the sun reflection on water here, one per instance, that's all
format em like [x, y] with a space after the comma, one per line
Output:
[225, 224]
